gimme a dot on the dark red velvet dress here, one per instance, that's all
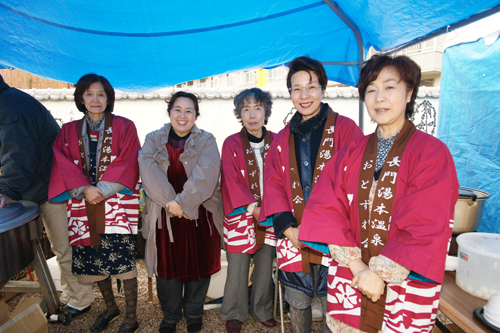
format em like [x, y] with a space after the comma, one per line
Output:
[195, 252]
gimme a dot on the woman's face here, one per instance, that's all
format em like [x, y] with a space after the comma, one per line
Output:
[95, 100]
[253, 115]
[306, 94]
[386, 100]
[182, 116]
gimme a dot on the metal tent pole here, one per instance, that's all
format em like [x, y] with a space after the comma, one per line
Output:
[361, 49]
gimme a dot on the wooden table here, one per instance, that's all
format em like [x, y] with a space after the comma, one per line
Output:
[458, 305]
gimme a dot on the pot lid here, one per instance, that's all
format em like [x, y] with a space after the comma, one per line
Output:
[17, 213]
[481, 242]
[470, 193]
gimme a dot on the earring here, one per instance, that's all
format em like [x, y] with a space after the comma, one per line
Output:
[292, 111]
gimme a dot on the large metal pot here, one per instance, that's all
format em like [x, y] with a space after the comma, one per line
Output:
[16, 234]
[469, 210]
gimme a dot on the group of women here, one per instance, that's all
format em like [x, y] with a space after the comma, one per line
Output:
[352, 219]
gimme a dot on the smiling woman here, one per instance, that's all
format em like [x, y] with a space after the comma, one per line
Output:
[375, 207]
[182, 218]
[95, 101]
[183, 112]
[102, 200]
[242, 176]
[295, 161]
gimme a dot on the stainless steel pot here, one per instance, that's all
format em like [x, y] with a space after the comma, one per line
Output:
[469, 210]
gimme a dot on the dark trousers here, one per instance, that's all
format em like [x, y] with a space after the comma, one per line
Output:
[170, 294]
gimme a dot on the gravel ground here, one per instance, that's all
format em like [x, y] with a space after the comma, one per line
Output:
[149, 315]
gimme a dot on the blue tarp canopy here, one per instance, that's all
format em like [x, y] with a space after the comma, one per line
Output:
[144, 45]
[469, 119]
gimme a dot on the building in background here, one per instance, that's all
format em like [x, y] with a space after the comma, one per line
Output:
[427, 54]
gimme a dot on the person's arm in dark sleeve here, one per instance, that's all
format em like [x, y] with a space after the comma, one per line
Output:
[283, 221]
[19, 156]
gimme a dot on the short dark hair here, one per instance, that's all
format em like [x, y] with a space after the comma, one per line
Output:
[83, 85]
[178, 94]
[407, 69]
[309, 65]
[253, 95]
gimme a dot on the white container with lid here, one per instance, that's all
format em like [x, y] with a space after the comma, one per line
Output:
[478, 270]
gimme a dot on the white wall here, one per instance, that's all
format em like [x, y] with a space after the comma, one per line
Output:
[149, 113]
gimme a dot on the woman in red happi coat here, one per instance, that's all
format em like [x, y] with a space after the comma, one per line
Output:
[385, 205]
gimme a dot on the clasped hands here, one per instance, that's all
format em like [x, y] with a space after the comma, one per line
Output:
[93, 195]
[293, 236]
[176, 210]
[369, 283]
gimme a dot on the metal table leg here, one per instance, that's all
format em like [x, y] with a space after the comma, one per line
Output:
[44, 285]
[47, 286]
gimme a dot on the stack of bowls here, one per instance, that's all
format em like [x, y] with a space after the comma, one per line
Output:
[492, 310]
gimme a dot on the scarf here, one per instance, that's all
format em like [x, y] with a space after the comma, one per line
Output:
[94, 126]
[253, 173]
[373, 233]
[325, 153]
[96, 213]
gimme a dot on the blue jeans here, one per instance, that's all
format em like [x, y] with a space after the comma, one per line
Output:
[173, 303]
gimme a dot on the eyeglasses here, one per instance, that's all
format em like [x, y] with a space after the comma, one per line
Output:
[310, 90]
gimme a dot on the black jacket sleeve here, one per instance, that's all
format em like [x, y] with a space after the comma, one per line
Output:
[19, 156]
[282, 221]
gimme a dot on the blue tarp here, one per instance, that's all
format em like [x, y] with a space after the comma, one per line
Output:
[144, 45]
[469, 120]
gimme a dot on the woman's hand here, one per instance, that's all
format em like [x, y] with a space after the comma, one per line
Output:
[93, 195]
[4, 200]
[293, 236]
[356, 266]
[256, 212]
[369, 284]
[174, 209]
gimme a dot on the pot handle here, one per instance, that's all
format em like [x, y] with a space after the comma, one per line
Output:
[473, 202]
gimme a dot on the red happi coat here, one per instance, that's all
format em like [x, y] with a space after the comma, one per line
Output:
[418, 238]
[121, 210]
[239, 233]
[278, 189]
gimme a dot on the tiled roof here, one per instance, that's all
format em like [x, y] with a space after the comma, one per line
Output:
[210, 93]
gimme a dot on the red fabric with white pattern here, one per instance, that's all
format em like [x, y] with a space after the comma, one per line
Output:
[278, 185]
[121, 211]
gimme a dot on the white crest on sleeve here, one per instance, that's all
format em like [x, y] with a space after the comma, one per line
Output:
[283, 168]
[345, 168]
[234, 154]
[243, 172]
[279, 148]
[350, 196]
[113, 158]
[76, 162]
